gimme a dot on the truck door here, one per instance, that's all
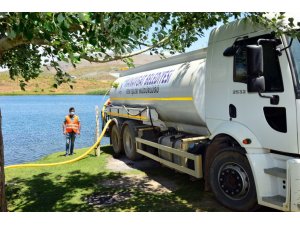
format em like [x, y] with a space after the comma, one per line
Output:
[274, 123]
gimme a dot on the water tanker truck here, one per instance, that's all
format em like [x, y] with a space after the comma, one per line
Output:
[228, 113]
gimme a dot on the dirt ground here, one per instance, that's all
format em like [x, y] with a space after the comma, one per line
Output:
[150, 176]
[141, 180]
[138, 174]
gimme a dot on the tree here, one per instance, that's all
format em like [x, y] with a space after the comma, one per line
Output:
[27, 38]
[3, 207]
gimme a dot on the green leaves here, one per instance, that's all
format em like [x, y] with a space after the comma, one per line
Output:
[279, 23]
[22, 85]
[23, 61]
[129, 62]
[115, 85]
[104, 36]
[84, 17]
[291, 22]
[60, 18]
[11, 34]
[68, 36]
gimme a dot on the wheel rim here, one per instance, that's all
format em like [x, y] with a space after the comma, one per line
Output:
[127, 141]
[233, 181]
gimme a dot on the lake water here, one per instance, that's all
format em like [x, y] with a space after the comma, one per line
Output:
[32, 125]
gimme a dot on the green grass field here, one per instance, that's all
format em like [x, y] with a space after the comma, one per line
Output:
[68, 187]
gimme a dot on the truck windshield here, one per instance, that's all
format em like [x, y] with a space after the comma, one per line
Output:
[295, 52]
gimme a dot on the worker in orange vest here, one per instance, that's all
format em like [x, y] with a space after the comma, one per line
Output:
[71, 128]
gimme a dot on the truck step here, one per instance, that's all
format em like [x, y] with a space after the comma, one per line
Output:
[275, 200]
[277, 172]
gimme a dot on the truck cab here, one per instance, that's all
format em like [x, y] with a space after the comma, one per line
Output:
[264, 122]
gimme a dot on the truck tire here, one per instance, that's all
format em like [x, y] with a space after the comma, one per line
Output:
[232, 181]
[129, 135]
[116, 141]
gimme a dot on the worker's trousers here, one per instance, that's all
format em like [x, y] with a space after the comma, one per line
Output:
[70, 140]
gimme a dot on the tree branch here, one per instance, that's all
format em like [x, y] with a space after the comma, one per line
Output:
[139, 43]
[97, 60]
[7, 44]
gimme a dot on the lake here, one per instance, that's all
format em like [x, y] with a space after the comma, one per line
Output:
[32, 125]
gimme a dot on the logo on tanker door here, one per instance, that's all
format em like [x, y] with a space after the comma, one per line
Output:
[148, 83]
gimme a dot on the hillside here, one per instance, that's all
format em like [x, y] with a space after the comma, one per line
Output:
[91, 78]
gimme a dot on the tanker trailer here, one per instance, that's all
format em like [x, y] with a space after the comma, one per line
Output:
[175, 92]
[227, 114]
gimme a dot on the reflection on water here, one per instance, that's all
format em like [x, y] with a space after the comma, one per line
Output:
[32, 125]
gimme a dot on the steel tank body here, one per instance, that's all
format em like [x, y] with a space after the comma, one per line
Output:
[177, 93]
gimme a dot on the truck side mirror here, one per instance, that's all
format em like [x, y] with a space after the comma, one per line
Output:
[256, 84]
[256, 80]
[254, 60]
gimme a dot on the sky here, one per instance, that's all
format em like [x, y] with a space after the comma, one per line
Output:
[203, 41]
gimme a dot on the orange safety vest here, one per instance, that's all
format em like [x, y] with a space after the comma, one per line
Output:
[72, 125]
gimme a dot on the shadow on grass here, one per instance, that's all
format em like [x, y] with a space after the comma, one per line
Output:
[45, 192]
[110, 191]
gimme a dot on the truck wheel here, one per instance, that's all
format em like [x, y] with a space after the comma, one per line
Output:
[129, 135]
[232, 181]
[116, 141]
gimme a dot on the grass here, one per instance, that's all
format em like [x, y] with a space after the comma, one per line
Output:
[97, 92]
[67, 188]
[54, 188]
[43, 86]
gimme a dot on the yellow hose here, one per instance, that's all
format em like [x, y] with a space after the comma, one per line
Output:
[64, 162]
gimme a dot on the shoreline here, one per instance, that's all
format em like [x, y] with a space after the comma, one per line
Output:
[100, 92]
[61, 153]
